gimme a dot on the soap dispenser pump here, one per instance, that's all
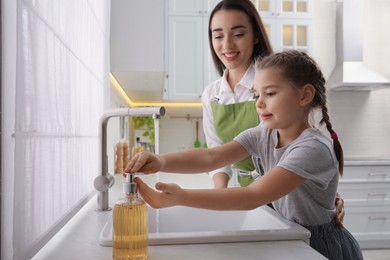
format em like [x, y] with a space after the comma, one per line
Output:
[130, 224]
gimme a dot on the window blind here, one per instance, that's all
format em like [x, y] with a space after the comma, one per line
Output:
[61, 78]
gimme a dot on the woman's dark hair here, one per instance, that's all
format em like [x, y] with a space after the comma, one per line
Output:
[261, 48]
[300, 69]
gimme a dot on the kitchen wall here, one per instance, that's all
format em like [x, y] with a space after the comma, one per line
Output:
[361, 117]
[180, 133]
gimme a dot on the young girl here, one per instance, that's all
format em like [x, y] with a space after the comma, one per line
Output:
[302, 165]
[236, 36]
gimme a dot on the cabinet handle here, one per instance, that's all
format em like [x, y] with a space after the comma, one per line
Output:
[377, 194]
[373, 174]
[377, 218]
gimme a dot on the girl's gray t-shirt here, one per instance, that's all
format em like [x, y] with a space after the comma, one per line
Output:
[310, 156]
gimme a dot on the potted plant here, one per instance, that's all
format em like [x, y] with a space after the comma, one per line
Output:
[145, 123]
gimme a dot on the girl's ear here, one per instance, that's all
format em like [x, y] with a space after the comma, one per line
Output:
[307, 94]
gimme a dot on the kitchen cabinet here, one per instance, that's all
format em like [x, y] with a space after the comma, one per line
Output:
[288, 23]
[365, 188]
[191, 7]
[190, 66]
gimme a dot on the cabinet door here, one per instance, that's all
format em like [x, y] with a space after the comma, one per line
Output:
[185, 7]
[287, 23]
[191, 7]
[294, 8]
[209, 5]
[266, 7]
[209, 72]
[287, 34]
[380, 173]
[185, 58]
[283, 8]
[293, 34]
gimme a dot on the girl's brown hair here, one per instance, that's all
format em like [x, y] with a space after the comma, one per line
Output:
[261, 48]
[300, 69]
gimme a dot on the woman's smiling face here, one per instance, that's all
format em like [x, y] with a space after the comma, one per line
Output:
[232, 38]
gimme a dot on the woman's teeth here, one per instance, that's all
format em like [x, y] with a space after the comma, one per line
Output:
[229, 55]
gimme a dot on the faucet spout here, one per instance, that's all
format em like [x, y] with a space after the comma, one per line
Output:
[104, 181]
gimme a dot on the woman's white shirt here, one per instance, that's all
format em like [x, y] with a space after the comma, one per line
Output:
[221, 92]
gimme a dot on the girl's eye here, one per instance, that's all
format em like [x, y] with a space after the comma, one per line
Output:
[270, 94]
[239, 35]
[255, 97]
[217, 37]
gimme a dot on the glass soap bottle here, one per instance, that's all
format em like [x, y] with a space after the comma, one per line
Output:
[130, 224]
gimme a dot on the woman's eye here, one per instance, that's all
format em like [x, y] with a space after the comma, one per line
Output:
[239, 35]
[217, 37]
[255, 97]
[270, 94]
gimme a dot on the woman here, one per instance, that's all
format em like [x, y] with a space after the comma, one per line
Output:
[237, 36]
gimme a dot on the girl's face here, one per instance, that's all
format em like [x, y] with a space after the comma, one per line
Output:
[232, 38]
[279, 104]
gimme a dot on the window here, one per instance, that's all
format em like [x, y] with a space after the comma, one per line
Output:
[61, 78]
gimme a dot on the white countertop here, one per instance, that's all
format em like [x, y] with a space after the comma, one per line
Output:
[79, 240]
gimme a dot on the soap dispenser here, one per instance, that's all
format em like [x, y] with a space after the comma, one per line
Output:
[130, 224]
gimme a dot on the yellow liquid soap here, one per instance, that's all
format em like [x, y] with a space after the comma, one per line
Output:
[130, 229]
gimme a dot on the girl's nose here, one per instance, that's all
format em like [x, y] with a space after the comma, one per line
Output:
[259, 102]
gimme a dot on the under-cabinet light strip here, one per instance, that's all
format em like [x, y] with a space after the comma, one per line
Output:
[121, 92]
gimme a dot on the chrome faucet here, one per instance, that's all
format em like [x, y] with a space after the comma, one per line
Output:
[104, 181]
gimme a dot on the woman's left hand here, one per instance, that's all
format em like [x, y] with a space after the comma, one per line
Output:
[340, 213]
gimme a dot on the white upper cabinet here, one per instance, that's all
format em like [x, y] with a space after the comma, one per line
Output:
[287, 23]
[190, 66]
[191, 7]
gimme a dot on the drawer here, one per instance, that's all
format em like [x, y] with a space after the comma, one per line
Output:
[364, 190]
[366, 173]
[367, 219]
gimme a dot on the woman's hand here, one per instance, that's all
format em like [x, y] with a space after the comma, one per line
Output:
[169, 195]
[340, 213]
[144, 162]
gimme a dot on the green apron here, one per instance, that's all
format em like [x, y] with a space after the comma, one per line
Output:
[229, 121]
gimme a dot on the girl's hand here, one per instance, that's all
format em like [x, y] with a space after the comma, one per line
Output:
[339, 218]
[169, 196]
[144, 162]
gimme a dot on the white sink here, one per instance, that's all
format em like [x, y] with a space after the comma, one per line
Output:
[183, 225]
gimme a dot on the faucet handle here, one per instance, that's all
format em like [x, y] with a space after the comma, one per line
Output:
[103, 183]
